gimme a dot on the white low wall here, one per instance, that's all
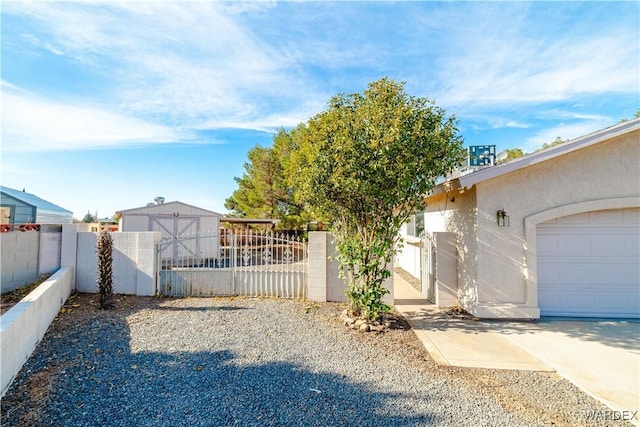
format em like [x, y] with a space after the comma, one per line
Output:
[134, 260]
[26, 255]
[24, 325]
[18, 259]
[50, 247]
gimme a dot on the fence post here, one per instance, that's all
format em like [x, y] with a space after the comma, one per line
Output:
[232, 262]
[69, 249]
[318, 258]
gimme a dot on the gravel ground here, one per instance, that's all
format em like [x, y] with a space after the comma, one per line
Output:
[263, 362]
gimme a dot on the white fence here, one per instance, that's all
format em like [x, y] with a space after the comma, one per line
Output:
[246, 262]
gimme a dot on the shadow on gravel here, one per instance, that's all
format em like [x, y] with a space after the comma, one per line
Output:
[85, 373]
[206, 308]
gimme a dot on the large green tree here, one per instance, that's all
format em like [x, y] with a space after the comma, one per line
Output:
[263, 190]
[513, 153]
[258, 188]
[367, 163]
[90, 218]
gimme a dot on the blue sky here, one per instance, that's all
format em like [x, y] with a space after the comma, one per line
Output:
[107, 105]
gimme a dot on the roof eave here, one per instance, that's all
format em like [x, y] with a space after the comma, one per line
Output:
[469, 180]
[120, 212]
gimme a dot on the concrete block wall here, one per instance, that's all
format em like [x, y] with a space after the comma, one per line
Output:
[125, 250]
[324, 281]
[146, 262]
[18, 259]
[69, 248]
[50, 248]
[87, 262]
[24, 256]
[318, 259]
[133, 262]
[24, 325]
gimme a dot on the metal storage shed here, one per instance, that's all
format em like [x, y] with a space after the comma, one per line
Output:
[175, 221]
[20, 207]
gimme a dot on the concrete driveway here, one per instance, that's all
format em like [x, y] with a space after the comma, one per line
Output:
[601, 357]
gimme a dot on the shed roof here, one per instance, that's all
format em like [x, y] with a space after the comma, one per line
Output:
[469, 180]
[34, 200]
[156, 207]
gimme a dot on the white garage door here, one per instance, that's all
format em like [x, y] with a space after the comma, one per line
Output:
[589, 265]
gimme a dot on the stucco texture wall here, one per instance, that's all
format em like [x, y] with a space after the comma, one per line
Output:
[455, 211]
[607, 171]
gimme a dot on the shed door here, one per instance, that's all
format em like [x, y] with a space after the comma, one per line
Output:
[589, 265]
[178, 228]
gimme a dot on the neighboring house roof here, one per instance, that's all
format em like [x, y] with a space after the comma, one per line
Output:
[161, 206]
[34, 200]
[469, 180]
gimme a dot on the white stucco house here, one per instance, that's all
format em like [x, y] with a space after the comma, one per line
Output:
[554, 233]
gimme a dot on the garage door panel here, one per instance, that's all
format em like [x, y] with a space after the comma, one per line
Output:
[632, 246]
[608, 246]
[547, 275]
[568, 273]
[607, 217]
[548, 245]
[589, 265]
[573, 219]
[631, 218]
[632, 276]
[578, 246]
[576, 301]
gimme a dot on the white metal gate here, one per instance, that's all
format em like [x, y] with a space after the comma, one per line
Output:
[428, 266]
[246, 263]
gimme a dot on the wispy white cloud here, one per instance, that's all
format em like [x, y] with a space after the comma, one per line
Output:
[510, 69]
[31, 123]
[208, 65]
[507, 61]
[494, 120]
[563, 114]
[189, 64]
[566, 131]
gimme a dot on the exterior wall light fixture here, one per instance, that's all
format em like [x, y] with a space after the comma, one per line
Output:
[503, 218]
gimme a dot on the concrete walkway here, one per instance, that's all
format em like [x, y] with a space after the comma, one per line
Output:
[600, 357]
[459, 342]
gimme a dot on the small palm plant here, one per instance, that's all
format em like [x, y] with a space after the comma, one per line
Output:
[105, 269]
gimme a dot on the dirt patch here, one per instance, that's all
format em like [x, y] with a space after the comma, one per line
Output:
[457, 312]
[413, 281]
[11, 298]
